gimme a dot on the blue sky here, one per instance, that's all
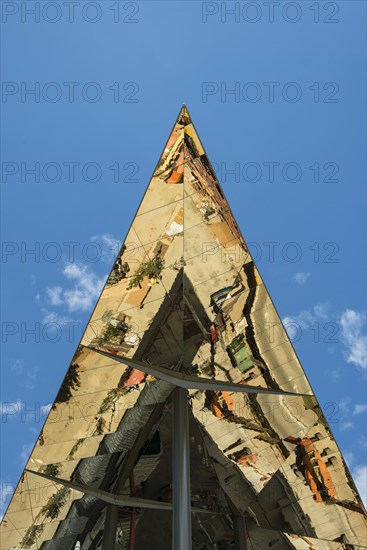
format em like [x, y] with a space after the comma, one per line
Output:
[106, 95]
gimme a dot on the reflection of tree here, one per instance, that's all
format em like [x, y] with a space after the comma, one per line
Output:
[119, 270]
[52, 470]
[31, 535]
[110, 399]
[71, 382]
[151, 269]
[75, 448]
[55, 503]
[112, 332]
[50, 511]
[115, 393]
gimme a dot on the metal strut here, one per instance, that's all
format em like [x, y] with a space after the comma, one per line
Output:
[110, 528]
[181, 517]
[189, 382]
[240, 533]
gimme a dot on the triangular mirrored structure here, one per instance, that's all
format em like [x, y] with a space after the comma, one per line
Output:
[185, 306]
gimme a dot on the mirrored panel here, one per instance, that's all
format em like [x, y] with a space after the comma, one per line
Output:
[259, 538]
[315, 482]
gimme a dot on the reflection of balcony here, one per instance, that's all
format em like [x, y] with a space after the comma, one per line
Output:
[239, 354]
[118, 335]
[119, 272]
[220, 296]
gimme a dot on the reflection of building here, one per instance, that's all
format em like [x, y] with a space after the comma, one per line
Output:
[185, 307]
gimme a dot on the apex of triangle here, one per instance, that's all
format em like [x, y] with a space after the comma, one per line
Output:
[184, 117]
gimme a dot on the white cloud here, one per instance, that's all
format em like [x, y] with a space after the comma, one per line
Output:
[289, 325]
[321, 311]
[54, 295]
[352, 325]
[32, 373]
[25, 452]
[10, 409]
[344, 426]
[35, 412]
[17, 366]
[349, 458]
[305, 319]
[359, 474]
[301, 277]
[359, 408]
[108, 245]
[31, 377]
[37, 298]
[87, 287]
[335, 375]
[45, 409]
[51, 317]
[343, 405]
[7, 489]
[27, 375]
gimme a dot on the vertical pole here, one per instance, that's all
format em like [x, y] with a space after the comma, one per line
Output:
[181, 516]
[240, 533]
[133, 512]
[110, 528]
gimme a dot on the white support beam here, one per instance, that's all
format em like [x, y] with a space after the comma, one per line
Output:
[121, 501]
[189, 382]
[108, 498]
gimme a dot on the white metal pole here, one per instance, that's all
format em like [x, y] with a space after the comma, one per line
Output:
[110, 528]
[181, 517]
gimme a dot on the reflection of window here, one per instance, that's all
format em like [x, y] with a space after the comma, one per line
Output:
[220, 296]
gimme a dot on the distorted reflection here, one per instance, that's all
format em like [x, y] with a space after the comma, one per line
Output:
[185, 294]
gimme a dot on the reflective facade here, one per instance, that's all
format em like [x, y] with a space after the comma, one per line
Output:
[185, 294]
